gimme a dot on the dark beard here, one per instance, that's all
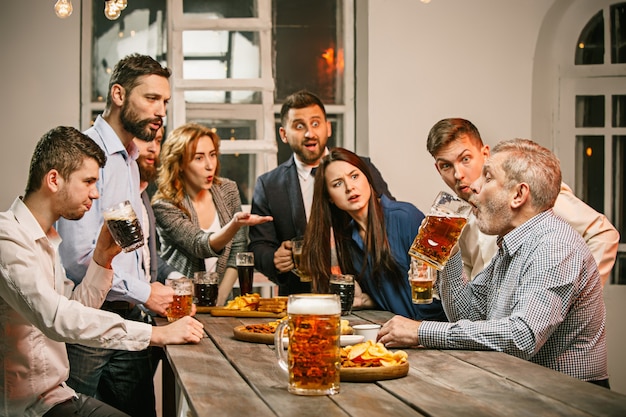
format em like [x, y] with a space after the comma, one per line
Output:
[146, 174]
[136, 127]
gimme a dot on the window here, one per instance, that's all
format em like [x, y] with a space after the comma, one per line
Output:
[599, 88]
[233, 61]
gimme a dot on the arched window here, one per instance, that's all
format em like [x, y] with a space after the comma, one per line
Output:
[598, 90]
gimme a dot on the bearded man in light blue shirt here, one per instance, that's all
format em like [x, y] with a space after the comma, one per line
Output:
[139, 91]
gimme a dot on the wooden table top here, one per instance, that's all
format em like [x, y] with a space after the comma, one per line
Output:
[222, 376]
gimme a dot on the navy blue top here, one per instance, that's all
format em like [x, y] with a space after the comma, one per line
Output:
[402, 221]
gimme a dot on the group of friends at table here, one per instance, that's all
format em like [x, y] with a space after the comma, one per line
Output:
[77, 313]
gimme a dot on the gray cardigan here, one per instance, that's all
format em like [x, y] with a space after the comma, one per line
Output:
[184, 245]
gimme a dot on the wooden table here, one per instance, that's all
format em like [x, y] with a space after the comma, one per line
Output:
[222, 376]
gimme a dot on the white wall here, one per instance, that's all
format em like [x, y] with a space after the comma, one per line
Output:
[40, 83]
[424, 62]
[449, 58]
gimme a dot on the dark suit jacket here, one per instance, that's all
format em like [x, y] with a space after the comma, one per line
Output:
[159, 269]
[277, 193]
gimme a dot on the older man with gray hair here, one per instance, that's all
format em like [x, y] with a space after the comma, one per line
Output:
[540, 298]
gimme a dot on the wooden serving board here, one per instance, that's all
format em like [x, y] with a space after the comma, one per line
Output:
[205, 309]
[377, 373]
[224, 312]
[242, 334]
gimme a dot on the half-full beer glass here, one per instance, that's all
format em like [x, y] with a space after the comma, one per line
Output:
[313, 356]
[297, 243]
[440, 230]
[422, 278]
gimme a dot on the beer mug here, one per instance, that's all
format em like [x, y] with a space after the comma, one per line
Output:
[440, 230]
[183, 298]
[206, 288]
[313, 356]
[124, 226]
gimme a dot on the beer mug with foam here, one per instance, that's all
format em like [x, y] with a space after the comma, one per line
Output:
[124, 226]
[183, 298]
[440, 230]
[313, 354]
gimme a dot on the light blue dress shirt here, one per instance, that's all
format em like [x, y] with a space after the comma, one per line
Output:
[119, 181]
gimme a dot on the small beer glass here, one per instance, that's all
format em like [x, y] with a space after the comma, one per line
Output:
[183, 298]
[343, 286]
[422, 278]
[297, 243]
[245, 271]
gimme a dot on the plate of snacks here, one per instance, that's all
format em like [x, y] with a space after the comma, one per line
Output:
[252, 305]
[264, 333]
[257, 333]
[370, 361]
[344, 339]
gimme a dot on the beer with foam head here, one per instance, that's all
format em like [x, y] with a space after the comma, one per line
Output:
[206, 288]
[183, 298]
[313, 356]
[124, 226]
[245, 271]
[422, 278]
[343, 286]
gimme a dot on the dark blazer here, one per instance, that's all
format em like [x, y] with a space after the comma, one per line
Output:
[277, 193]
[159, 269]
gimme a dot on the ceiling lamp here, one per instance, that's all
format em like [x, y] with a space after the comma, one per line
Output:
[112, 8]
[63, 8]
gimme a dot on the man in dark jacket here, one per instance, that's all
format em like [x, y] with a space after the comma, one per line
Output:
[286, 192]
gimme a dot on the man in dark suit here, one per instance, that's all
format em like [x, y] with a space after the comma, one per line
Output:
[286, 192]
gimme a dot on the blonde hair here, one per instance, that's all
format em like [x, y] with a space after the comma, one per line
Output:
[176, 152]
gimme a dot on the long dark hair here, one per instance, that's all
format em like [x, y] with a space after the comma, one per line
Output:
[316, 259]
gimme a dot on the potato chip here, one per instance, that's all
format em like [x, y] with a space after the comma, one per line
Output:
[248, 302]
[371, 354]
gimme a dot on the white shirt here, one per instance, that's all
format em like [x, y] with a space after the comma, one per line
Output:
[146, 235]
[37, 304]
[307, 183]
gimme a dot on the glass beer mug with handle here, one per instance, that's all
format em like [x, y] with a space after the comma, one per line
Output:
[313, 356]
[440, 230]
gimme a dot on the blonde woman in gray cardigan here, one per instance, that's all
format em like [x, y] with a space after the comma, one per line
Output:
[198, 214]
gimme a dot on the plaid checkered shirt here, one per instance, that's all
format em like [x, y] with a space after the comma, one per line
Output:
[539, 299]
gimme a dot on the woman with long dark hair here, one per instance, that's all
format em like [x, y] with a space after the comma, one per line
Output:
[372, 237]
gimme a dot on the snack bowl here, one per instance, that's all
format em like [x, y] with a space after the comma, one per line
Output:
[368, 331]
[378, 373]
[350, 339]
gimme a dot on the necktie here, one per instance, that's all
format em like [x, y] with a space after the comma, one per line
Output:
[313, 170]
